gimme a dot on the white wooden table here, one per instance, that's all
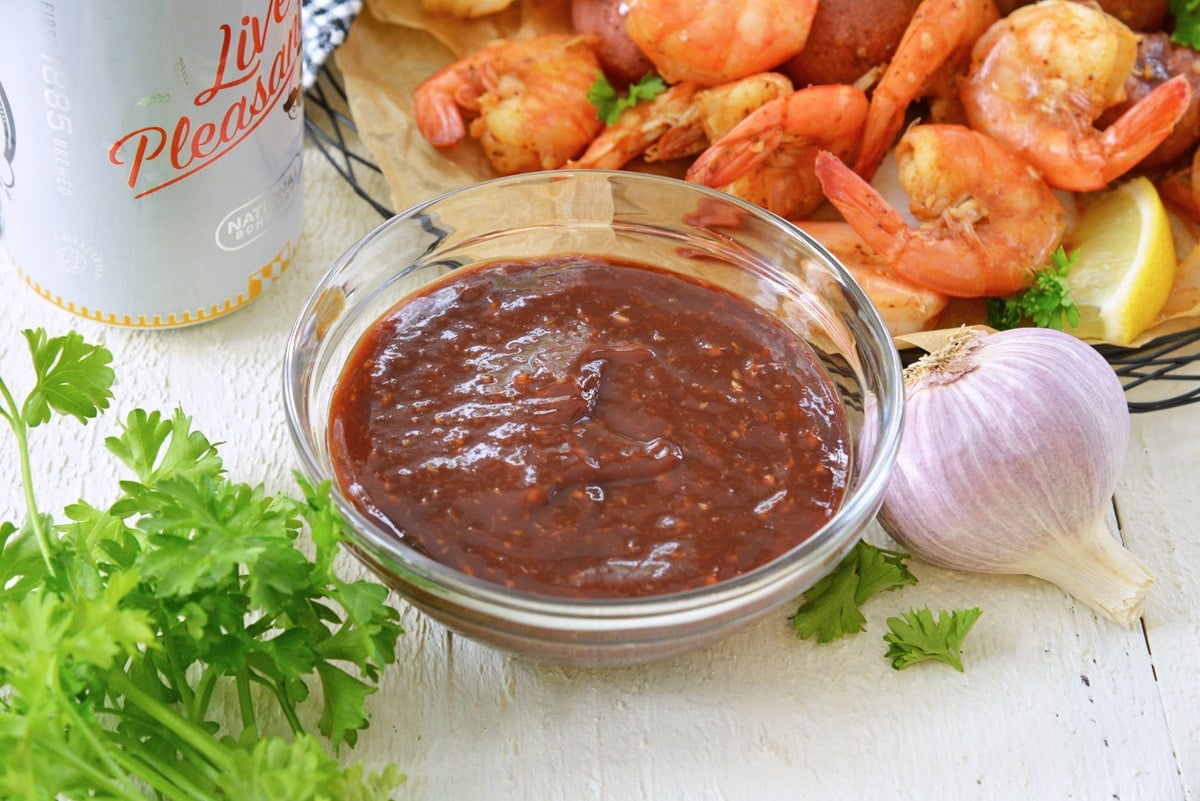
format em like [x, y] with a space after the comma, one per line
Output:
[1054, 703]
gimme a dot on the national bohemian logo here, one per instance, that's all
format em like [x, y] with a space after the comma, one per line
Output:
[8, 141]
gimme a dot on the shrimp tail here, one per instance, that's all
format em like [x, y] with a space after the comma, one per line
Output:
[942, 264]
[830, 114]
[679, 141]
[884, 120]
[937, 32]
[437, 113]
[1144, 126]
[735, 154]
[882, 227]
[441, 123]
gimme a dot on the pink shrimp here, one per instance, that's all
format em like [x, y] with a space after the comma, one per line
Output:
[987, 221]
[904, 306]
[638, 128]
[681, 121]
[940, 32]
[768, 157]
[1159, 59]
[1040, 78]
[714, 41]
[527, 99]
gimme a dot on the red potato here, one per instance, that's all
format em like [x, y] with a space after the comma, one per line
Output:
[623, 62]
[1140, 15]
[849, 38]
[1159, 59]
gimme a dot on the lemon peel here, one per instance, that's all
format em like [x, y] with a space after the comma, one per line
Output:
[1126, 263]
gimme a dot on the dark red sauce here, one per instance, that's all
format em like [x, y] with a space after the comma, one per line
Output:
[581, 427]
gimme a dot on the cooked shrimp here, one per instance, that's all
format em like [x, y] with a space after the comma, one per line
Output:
[1040, 78]
[718, 109]
[527, 99]
[987, 221]
[1158, 60]
[940, 33]
[713, 41]
[768, 157]
[681, 121]
[639, 127]
[904, 306]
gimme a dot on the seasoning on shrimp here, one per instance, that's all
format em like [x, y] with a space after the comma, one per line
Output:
[1158, 60]
[768, 157]
[527, 100]
[637, 128]
[714, 41]
[1042, 76]
[987, 221]
[937, 40]
[681, 121]
[904, 306]
[718, 110]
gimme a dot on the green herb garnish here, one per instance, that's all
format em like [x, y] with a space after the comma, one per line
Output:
[1047, 303]
[1187, 22]
[120, 626]
[830, 608]
[917, 637]
[610, 103]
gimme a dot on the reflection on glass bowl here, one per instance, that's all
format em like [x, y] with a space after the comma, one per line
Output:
[693, 232]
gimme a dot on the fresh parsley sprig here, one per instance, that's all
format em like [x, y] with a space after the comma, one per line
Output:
[1047, 303]
[610, 103]
[917, 637]
[830, 609]
[1186, 30]
[121, 625]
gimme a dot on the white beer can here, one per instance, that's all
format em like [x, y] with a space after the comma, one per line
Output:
[150, 153]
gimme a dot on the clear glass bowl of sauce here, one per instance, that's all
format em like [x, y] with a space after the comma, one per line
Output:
[594, 417]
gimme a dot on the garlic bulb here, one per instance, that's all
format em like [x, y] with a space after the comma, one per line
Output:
[1012, 447]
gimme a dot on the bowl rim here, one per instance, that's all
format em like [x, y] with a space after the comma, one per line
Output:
[822, 546]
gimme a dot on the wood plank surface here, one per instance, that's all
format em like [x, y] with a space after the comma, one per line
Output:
[1158, 502]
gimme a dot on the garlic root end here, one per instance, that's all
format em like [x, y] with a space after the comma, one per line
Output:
[1099, 572]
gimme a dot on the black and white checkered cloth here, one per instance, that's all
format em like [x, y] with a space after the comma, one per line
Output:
[325, 23]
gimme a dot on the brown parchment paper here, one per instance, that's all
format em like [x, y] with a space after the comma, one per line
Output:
[393, 45]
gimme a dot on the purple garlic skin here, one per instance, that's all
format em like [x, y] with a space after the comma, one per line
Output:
[1013, 443]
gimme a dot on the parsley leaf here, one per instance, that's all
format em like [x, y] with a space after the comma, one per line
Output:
[610, 103]
[1003, 313]
[140, 447]
[830, 608]
[1187, 22]
[119, 626]
[917, 637]
[1047, 303]
[73, 378]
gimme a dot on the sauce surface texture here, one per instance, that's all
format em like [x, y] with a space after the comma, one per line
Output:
[580, 427]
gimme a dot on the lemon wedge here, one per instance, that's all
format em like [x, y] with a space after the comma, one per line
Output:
[1126, 262]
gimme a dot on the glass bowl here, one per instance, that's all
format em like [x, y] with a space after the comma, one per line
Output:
[630, 216]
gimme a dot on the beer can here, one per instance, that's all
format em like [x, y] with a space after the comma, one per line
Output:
[150, 153]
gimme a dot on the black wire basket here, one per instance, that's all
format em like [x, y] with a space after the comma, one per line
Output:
[1162, 374]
